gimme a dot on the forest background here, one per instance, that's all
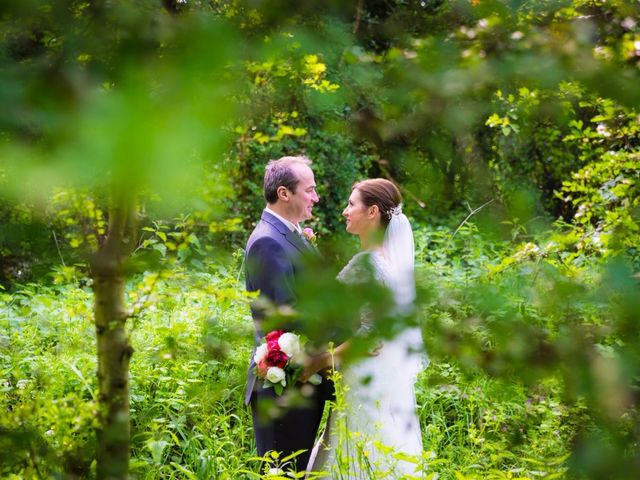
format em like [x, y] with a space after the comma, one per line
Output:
[133, 140]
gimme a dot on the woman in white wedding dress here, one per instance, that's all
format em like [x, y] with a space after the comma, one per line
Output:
[374, 431]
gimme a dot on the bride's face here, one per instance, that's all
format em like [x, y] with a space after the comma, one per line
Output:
[360, 218]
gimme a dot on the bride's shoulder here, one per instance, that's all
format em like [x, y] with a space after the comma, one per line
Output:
[363, 267]
[355, 270]
[378, 258]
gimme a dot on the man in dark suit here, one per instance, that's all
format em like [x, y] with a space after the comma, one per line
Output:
[273, 261]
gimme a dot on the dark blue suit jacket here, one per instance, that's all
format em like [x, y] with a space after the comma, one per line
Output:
[272, 260]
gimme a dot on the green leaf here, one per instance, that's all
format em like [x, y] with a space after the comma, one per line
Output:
[184, 470]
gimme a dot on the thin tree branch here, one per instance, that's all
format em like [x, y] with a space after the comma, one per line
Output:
[356, 24]
[473, 212]
[55, 239]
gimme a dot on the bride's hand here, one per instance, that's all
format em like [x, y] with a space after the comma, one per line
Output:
[375, 351]
[314, 364]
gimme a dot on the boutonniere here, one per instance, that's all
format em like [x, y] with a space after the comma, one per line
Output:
[309, 235]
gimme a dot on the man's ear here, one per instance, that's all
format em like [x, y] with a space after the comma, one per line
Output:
[283, 193]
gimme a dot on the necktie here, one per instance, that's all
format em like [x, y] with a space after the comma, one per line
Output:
[303, 238]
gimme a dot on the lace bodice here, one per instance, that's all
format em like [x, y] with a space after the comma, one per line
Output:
[364, 267]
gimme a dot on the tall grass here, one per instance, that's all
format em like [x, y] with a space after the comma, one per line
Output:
[192, 335]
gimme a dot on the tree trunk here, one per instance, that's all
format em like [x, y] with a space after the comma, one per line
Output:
[114, 350]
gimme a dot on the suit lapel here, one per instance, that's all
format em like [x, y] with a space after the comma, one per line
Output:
[292, 237]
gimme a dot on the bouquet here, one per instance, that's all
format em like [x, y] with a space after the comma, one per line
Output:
[280, 361]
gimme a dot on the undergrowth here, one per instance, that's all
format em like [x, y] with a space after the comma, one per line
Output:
[192, 333]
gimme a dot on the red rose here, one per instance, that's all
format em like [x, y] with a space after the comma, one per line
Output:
[274, 335]
[277, 358]
[272, 339]
[262, 368]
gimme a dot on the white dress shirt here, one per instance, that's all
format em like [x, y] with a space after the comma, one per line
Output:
[294, 227]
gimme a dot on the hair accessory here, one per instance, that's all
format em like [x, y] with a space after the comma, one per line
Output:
[395, 211]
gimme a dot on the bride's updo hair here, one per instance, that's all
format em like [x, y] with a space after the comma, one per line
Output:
[380, 192]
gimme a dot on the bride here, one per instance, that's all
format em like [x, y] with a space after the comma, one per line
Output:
[374, 431]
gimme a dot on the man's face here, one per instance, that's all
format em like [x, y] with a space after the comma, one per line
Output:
[301, 202]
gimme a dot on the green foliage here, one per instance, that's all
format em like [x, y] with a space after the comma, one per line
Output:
[494, 429]
[192, 342]
[550, 351]
[78, 219]
[47, 381]
[542, 314]
[529, 148]
[533, 104]
[22, 234]
[578, 150]
[188, 381]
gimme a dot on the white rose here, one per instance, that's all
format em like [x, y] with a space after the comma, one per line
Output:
[261, 353]
[299, 358]
[276, 375]
[290, 344]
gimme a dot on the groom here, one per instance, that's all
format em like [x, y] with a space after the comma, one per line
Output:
[273, 262]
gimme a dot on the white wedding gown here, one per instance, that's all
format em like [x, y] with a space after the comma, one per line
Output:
[374, 430]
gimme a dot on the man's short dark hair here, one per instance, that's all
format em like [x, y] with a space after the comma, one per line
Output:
[280, 174]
